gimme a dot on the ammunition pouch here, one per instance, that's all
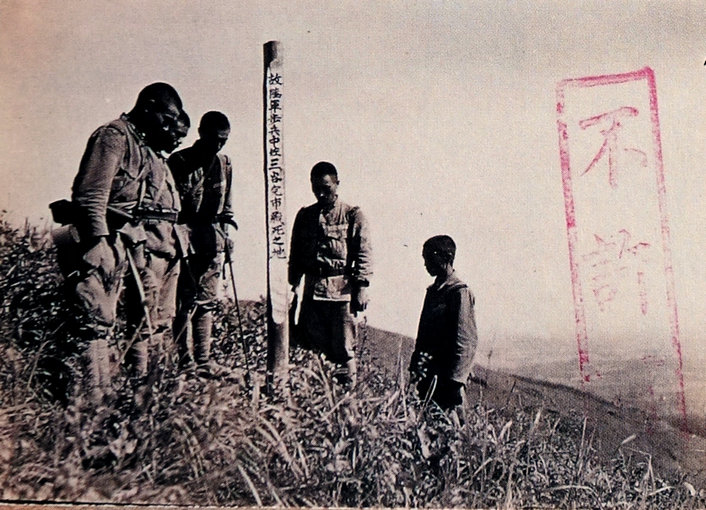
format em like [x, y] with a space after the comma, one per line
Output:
[63, 212]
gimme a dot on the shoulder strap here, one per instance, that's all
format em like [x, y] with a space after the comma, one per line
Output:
[227, 176]
[134, 147]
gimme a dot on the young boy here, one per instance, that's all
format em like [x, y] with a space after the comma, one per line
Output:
[447, 335]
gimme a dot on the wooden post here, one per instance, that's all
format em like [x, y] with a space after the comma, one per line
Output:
[277, 284]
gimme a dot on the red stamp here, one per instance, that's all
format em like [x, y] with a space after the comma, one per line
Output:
[619, 248]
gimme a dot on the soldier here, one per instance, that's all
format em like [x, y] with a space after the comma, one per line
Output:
[447, 335]
[331, 248]
[179, 132]
[124, 209]
[204, 179]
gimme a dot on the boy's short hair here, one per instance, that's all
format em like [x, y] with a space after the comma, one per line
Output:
[442, 245]
[323, 168]
[214, 121]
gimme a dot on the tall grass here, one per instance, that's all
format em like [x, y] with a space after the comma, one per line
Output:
[216, 441]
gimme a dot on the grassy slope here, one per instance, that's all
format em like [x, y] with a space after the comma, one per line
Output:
[609, 422]
[192, 440]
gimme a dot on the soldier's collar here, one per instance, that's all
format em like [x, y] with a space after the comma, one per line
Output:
[140, 134]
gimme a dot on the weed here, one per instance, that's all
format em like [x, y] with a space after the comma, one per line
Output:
[214, 442]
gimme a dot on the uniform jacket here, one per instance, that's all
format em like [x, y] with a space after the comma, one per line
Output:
[447, 329]
[119, 170]
[205, 192]
[331, 247]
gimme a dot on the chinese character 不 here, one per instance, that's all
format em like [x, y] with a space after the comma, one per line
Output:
[610, 123]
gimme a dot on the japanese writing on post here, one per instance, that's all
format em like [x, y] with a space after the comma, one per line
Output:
[274, 166]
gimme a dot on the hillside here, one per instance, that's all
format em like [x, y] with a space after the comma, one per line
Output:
[516, 442]
[608, 424]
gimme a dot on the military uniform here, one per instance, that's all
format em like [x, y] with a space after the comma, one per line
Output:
[331, 248]
[206, 198]
[446, 340]
[124, 192]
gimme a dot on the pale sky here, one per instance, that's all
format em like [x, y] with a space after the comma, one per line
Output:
[440, 116]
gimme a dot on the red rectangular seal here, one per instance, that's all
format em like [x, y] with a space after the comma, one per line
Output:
[622, 278]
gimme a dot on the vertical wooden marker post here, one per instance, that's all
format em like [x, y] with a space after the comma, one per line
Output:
[277, 285]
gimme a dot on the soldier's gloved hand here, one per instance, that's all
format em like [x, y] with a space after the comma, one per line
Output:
[359, 300]
[230, 245]
[101, 255]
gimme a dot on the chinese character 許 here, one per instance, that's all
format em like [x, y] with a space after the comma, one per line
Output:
[274, 79]
[613, 259]
[610, 123]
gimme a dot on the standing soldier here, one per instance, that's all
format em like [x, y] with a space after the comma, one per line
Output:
[447, 335]
[124, 211]
[331, 249]
[204, 180]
